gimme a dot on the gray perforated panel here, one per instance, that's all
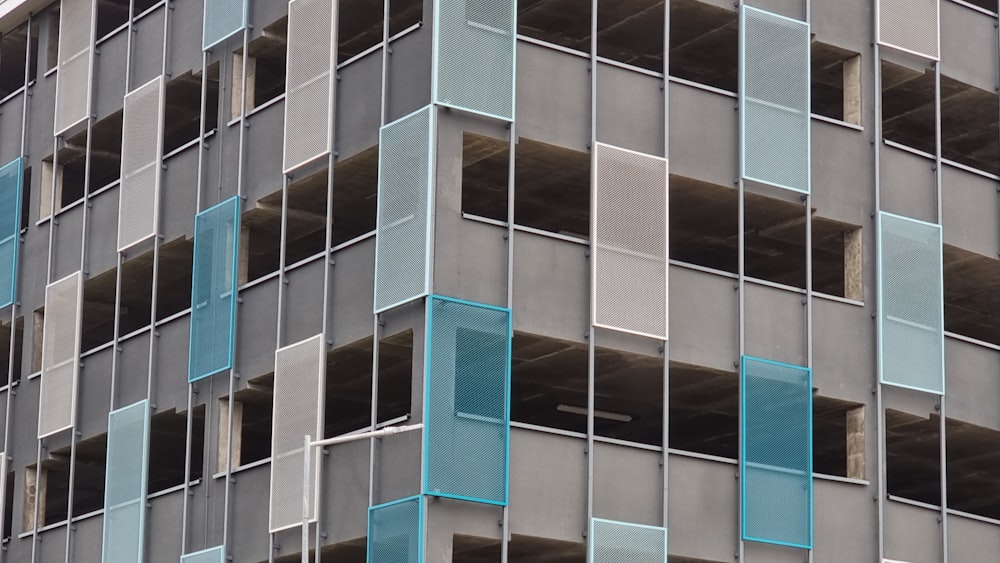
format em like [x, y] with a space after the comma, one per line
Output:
[621, 542]
[299, 378]
[76, 29]
[60, 355]
[307, 104]
[910, 25]
[142, 134]
[630, 241]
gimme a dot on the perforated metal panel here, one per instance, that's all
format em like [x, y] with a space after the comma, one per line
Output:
[222, 19]
[213, 555]
[910, 25]
[774, 99]
[776, 461]
[395, 532]
[621, 542]
[467, 432]
[299, 387]
[630, 241]
[911, 304]
[76, 31]
[310, 85]
[403, 230]
[125, 484]
[60, 355]
[213, 291]
[474, 56]
[142, 136]
[10, 228]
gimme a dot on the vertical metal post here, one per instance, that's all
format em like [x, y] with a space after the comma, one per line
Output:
[809, 256]
[666, 343]
[592, 331]
[741, 280]
[940, 219]
[306, 459]
[879, 392]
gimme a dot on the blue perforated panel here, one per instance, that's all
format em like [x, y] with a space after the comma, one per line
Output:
[621, 542]
[774, 99]
[395, 532]
[125, 484]
[911, 304]
[222, 19]
[213, 555]
[213, 284]
[402, 243]
[10, 228]
[776, 460]
[468, 421]
[474, 56]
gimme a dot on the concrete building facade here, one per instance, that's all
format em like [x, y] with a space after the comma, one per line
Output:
[500, 281]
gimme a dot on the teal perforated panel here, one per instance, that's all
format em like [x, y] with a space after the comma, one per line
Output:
[10, 229]
[222, 19]
[212, 555]
[125, 484]
[395, 531]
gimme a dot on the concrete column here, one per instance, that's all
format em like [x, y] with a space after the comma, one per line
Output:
[856, 443]
[852, 90]
[236, 451]
[853, 278]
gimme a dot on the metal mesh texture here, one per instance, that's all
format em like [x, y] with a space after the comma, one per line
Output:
[222, 19]
[774, 99]
[911, 296]
[468, 421]
[776, 465]
[76, 23]
[142, 131]
[474, 53]
[307, 105]
[212, 555]
[406, 156]
[621, 542]
[125, 484]
[213, 295]
[60, 355]
[10, 229]
[299, 381]
[630, 241]
[395, 532]
[910, 25]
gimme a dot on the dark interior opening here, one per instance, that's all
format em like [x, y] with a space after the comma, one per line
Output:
[174, 287]
[403, 14]
[348, 388]
[968, 301]
[360, 26]
[355, 195]
[563, 22]
[553, 188]
[5, 358]
[89, 479]
[167, 448]
[8, 507]
[255, 432]
[631, 32]
[111, 14]
[704, 44]
[14, 57]
[182, 113]
[913, 461]
[26, 199]
[269, 55]
[835, 81]
[52, 45]
[973, 458]
[395, 375]
[485, 173]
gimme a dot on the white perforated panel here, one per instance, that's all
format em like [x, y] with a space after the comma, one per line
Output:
[310, 60]
[76, 30]
[910, 25]
[630, 241]
[142, 135]
[299, 387]
[60, 355]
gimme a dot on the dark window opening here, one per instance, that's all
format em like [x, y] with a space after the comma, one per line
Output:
[37, 329]
[52, 41]
[990, 5]
[631, 32]
[99, 302]
[404, 14]
[52, 489]
[360, 26]
[13, 58]
[111, 14]
[704, 44]
[260, 241]
[182, 113]
[348, 388]
[106, 152]
[968, 301]
[553, 188]
[395, 375]
[89, 479]
[305, 224]
[563, 22]
[836, 83]
[8, 507]
[174, 286]
[26, 199]
[69, 174]
[355, 194]
[255, 407]
[973, 461]
[913, 460]
[485, 172]
[704, 410]
[265, 68]
[5, 358]
[167, 448]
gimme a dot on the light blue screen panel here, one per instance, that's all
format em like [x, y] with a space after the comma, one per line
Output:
[10, 229]
[125, 485]
[213, 555]
[774, 99]
[621, 542]
[468, 416]
[213, 284]
[474, 56]
[402, 242]
[776, 462]
[395, 532]
[222, 19]
[911, 304]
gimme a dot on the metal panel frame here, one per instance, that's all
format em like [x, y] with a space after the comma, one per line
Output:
[143, 481]
[203, 555]
[429, 219]
[65, 58]
[234, 273]
[290, 91]
[296, 451]
[881, 303]
[14, 237]
[591, 536]
[878, 34]
[806, 115]
[206, 42]
[436, 66]
[74, 361]
[743, 452]
[597, 246]
[157, 164]
[421, 525]
[428, 428]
